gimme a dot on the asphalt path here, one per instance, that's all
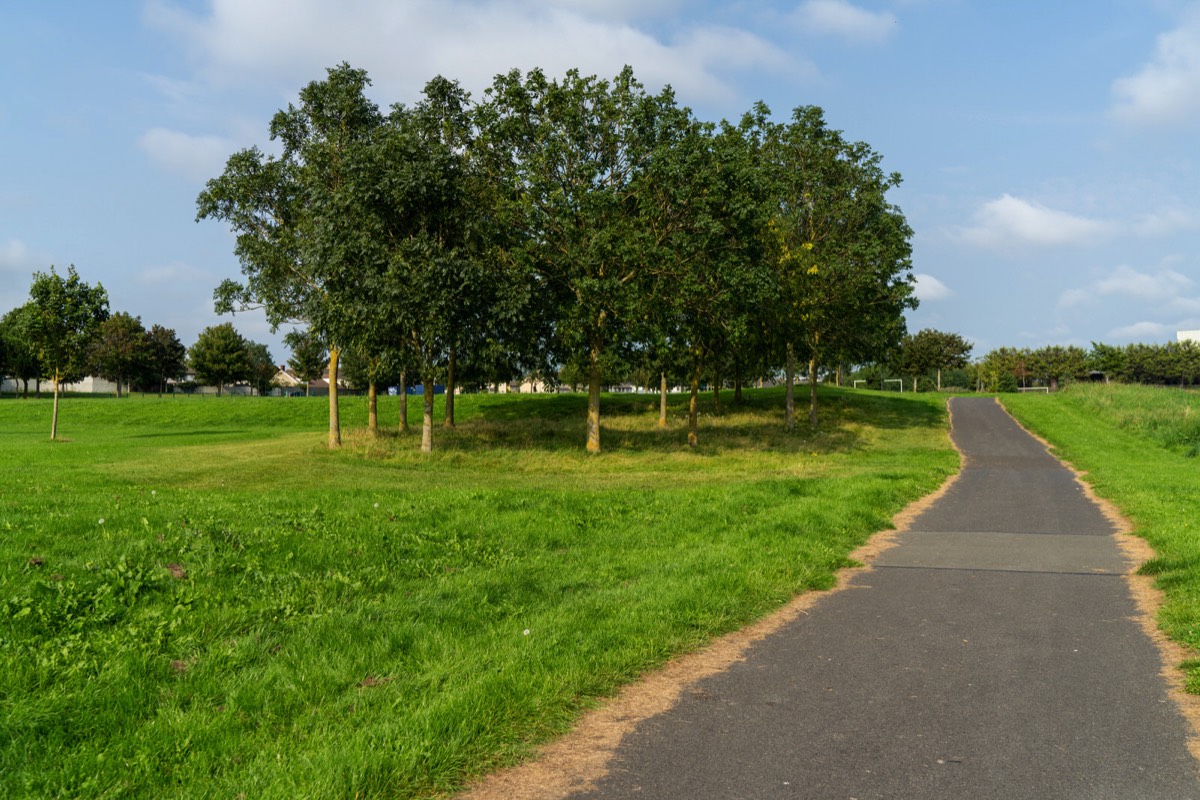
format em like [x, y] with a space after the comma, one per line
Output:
[993, 653]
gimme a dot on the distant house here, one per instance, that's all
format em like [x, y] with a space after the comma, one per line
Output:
[290, 385]
[1188, 336]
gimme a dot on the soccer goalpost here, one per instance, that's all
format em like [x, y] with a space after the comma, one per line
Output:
[894, 380]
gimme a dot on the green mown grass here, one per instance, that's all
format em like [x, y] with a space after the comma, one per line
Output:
[1138, 446]
[198, 599]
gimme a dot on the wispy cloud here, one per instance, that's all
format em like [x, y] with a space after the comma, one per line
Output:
[1166, 91]
[930, 289]
[844, 19]
[174, 274]
[1011, 221]
[1143, 331]
[14, 256]
[196, 158]
[283, 42]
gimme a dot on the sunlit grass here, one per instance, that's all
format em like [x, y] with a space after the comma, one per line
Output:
[197, 597]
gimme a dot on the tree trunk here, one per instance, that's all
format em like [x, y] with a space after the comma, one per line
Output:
[812, 391]
[427, 419]
[737, 390]
[118, 387]
[693, 407]
[54, 416]
[662, 401]
[37, 389]
[219, 388]
[25, 390]
[790, 369]
[717, 393]
[372, 410]
[939, 379]
[403, 403]
[593, 412]
[335, 420]
[449, 415]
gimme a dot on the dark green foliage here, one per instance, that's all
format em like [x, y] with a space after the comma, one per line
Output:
[121, 349]
[66, 317]
[309, 356]
[22, 361]
[220, 357]
[930, 351]
[166, 357]
[260, 368]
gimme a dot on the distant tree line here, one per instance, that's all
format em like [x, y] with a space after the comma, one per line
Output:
[65, 333]
[574, 229]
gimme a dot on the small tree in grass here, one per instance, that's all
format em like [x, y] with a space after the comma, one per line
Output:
[219, 356]
[66, 318]
[260, 369]
[166, 357]
[120, 350]
[309, 356]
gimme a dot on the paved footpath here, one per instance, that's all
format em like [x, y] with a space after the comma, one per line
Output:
[992, 654]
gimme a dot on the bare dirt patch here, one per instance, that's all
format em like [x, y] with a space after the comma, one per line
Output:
[576, 761]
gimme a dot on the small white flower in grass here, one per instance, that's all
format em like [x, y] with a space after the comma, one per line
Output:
[102, 520]
[153, 492]
[377, 505]
[527, 631]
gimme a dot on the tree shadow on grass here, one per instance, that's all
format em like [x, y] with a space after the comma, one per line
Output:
[556, 423]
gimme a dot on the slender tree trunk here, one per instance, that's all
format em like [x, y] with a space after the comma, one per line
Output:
[662, 401]
[403, 402]
[335, 419]
[812, 391]
[939, 379]
[593, 412]
[790, 369]
[118, 387]
[449, 415]
[25, 390]
[427, 419]
[737, 390]
[37, 389]
[717, 393]
[54, 415]
[308, 388]
[693, 407]
[372, 409]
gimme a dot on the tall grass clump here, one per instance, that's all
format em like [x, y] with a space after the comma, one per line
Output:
[197, 598]
[1138, 446]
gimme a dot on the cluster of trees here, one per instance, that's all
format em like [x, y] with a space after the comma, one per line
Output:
[1009, 368]
[563, 227]
[65, 333]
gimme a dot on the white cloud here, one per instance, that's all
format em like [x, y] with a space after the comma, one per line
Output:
[1143, 331]
[1010, 221]
[283, 43]
[15, 256]
[1129, 283]
[1167, 221]
[930, 289]
[1166, 91]
[196, 158]
[842, 18]
[174, 274]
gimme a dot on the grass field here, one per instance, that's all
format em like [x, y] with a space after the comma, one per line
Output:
[198, 599]
[1139, 448]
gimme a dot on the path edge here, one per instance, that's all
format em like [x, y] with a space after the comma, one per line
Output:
[1146, 596]
[576, 761]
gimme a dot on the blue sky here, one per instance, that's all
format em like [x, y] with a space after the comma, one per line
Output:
[1050, 151]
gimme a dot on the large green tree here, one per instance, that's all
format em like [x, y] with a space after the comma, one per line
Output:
[297, 221]
[574, 153]
[119, 352]
[166, 357]
[841, 250]
[220, 357]
[67, 314]
[931, 350]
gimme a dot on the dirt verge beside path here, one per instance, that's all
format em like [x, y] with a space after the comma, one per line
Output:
[576, 761]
